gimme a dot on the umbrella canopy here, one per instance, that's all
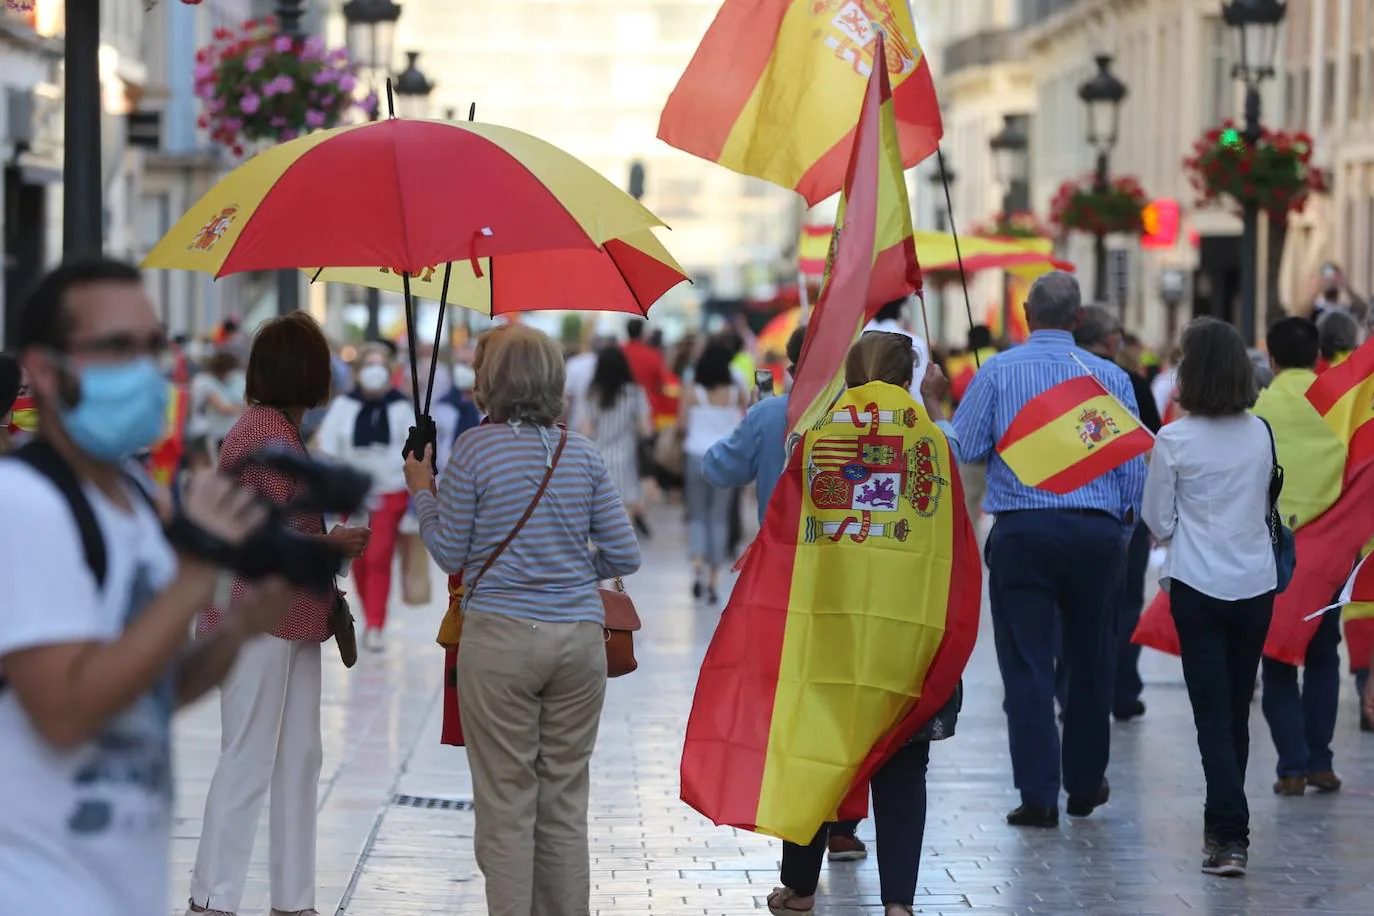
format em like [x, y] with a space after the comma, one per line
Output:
[623, 275]
[401, 194]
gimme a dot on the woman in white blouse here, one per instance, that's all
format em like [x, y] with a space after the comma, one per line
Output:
[1207, 495]
[366, 429]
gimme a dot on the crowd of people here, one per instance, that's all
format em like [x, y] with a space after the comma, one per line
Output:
[536, 493]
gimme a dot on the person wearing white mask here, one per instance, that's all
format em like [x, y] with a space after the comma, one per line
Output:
[367, 429]
[892, 319]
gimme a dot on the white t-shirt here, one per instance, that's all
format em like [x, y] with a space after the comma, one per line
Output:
[88, 830]
[1207, 494]
[578, 378]
[206, 422]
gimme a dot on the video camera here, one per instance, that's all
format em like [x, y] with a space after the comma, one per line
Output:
[274, 549]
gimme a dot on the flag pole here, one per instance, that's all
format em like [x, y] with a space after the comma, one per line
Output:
[1115, 399]
[954, 231]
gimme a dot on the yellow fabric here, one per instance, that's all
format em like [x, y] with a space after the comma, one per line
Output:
[893, 228]
[601, 209]
[1313, 457]
[465, 288]
[1064, 442]
[868, 601]
[803, 104]
[1353, 410]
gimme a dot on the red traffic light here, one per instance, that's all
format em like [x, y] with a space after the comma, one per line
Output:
[1161, 221]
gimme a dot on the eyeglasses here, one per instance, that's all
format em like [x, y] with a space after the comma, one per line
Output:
[122, 348]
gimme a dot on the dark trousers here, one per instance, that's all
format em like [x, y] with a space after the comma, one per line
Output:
[1303, 722]
[1129, 605]
[1221, 643]
[1053, 580]
[899, 818]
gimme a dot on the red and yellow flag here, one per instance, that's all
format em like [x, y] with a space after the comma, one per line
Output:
[164, 459]
[23, 416]
[812, 249]
[770, 90]
[1344, 396]
[857, 606]
[1071, 435]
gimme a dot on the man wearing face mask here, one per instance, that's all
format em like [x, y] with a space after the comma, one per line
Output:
[94, 655]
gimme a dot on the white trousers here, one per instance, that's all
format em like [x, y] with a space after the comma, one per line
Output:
[270, 738]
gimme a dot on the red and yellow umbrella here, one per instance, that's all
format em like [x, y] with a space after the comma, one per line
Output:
[402, 194]
[623, 275]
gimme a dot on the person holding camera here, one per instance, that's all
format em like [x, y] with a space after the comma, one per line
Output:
[270, 704]
[94, 656]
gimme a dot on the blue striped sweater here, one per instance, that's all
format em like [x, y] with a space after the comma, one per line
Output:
[578, 535]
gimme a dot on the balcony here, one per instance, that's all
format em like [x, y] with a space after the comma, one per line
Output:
[992, 46]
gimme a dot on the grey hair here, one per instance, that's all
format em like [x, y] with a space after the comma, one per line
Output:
[1337, 332]
[1054, 301]
[521, 378]
[1095, 324]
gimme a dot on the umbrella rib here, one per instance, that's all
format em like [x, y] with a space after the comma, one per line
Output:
[634, 297]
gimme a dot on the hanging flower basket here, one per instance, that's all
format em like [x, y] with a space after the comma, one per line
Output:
[1081, 206]
[1276, 173]
[258, 85]
[1018, 225]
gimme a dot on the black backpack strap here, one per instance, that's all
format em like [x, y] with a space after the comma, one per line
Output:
[44, 459]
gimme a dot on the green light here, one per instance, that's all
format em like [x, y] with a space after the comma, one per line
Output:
[1230, 137]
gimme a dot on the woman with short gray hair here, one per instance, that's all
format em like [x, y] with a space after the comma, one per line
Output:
[519, 503]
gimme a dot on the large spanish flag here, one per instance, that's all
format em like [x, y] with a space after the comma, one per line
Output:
[771, 89]
[1344, 396]
[1071, 435]
[857, 606]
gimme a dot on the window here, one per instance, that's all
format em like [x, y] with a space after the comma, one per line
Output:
[1221, 91]
[1354, 104]
[1328, 104]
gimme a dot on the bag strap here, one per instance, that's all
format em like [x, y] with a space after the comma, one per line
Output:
[529, 511]
[1276, 474]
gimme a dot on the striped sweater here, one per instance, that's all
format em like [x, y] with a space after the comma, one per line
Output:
[549, 572]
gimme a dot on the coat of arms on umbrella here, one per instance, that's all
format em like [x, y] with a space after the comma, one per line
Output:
[1096, 427]
[213, 231]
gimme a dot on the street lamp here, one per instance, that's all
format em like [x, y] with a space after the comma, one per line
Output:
[1103, 95]
[412, 90]
[1011, 156]
[1256, 24]
[371, 32]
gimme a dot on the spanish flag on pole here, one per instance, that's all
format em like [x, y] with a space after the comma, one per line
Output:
[770, 90]
[1344, 396]
[1071, 435]
[857, 606]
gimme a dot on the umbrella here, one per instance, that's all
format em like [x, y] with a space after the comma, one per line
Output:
[624, 275]
[408, 196]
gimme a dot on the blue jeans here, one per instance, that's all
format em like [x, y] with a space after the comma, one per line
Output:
[1053, 581]
[1221, 643]
[1303, 723]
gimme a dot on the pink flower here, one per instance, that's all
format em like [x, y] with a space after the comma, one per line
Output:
[314, 118]
[233, 125]
[338, 56]
[313, 49]
[203, 72]
[287, 134]
[329, 100]
[278, 121]
[249, 103]
[347, 82]
[324, 77]
[278, 86]
[253, 62]
[282, 44]
[216, 106]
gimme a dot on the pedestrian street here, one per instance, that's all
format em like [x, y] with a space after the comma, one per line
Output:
[395, 835]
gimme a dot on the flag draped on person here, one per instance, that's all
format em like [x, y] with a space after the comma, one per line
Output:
[1071, 435]
[770, 89]
[857, 606]
[1344, 396]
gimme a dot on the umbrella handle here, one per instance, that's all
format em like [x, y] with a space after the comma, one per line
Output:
[423, 434]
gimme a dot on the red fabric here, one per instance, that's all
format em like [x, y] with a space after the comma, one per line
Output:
[650, 371]
[372, 571]
[308, 620]
[399, 216]
[1327, 548]
[1359, 639]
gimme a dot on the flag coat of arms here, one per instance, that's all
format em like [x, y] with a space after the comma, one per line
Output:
[1344, 396]
[771, 88]
[857, 606]
[1071, 435]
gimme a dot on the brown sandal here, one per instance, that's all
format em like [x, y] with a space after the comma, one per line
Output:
[778, 900]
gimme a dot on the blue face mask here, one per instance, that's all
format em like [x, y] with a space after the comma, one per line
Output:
[123, 410]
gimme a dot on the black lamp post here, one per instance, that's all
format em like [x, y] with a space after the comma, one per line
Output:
[1103, 95]
[937, 187]
[289, 13]
[370, 35]
[1011, 156]
[83, 194]
[1256, 24]
[412, 90]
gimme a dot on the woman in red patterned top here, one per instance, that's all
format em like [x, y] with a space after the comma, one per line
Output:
[270, 703]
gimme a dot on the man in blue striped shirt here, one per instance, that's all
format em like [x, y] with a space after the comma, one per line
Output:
[1053, 561]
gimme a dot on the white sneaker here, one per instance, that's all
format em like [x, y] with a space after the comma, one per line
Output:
[373, 640]
[310, 912]
[191, 910]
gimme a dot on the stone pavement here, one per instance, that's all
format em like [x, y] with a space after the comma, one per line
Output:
[653, 855]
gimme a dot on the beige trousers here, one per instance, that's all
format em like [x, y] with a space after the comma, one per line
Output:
[531, 696]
